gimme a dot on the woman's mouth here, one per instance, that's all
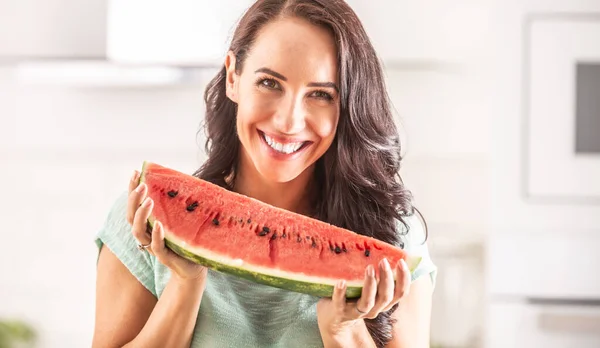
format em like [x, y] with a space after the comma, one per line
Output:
[284, 148]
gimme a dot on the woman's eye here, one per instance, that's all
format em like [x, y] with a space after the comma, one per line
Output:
[269, 83]
[323, 95]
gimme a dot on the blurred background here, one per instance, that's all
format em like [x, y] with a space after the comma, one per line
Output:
[498, 103]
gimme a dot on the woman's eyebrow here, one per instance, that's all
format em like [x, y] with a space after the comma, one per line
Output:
[324, 84]
[271, 72]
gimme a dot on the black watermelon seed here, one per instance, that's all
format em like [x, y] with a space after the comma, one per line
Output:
[215, 222]
[299, 239]
[330, 247]
[262, 233]
[367, 252]
[172, 193]
[241, 220]
[344, 249]
[274, 236]
[314, 244]
[307, 237]
[283, 235]
[249, 221]
[192, 206]
[338, 250]
[266, 229]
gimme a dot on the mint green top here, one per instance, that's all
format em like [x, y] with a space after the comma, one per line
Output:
[235, 312]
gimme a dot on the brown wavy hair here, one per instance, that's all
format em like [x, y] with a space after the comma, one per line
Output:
[358, 182]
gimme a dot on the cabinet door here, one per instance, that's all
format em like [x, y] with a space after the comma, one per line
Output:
[182, 32]
[527, 325]
[429, 30]
[52, 28]
[525, 263]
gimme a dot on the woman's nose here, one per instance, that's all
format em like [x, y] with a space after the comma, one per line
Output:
[290, 118]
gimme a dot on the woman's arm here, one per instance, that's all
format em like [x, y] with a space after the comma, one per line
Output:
[128, 315]
[413, 316]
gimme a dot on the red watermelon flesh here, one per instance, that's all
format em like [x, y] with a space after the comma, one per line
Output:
[239, 235]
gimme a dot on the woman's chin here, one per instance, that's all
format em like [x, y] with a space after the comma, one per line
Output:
[280, 177]
[278, 173]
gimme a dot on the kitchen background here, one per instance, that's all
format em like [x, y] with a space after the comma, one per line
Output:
[498, 102]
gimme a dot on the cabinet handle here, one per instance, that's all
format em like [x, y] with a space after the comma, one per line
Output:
[569, 323]
[567, 302]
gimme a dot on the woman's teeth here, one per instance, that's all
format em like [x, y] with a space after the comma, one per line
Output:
[283, 148]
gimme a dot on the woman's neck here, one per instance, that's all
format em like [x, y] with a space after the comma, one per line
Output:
[292, 195]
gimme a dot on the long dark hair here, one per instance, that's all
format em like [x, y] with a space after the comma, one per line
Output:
[359, 185]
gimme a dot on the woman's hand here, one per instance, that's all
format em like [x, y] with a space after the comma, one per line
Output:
[139, 208]
[337, 318]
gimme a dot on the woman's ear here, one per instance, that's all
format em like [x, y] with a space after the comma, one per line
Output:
[232, 78]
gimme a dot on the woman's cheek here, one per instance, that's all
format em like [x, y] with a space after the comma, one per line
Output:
[325, 123]
[258, 104]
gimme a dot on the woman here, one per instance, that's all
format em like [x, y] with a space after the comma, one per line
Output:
[298, 118]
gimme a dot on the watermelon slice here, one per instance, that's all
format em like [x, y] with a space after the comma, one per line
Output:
[242, 236]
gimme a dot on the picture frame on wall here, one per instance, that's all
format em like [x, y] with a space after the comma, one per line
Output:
[561, 108]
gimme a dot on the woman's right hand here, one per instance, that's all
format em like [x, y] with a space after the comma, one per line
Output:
[139, 208]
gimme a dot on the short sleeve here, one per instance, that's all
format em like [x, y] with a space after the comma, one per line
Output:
[415, 244]
[116, 235]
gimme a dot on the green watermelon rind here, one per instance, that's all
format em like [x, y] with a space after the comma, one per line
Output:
[297, 285]
[320, 290]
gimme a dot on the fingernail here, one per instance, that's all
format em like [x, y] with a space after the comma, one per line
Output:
[140, 188]
[403, 264]
[134, 176]
[386, 264]
[341, 284]
[370, 271]
[147, 202]
[162, 231]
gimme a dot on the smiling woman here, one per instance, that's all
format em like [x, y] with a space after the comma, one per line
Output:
[298, 117]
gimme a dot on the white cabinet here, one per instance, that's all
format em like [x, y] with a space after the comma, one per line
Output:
[554, 264]
[544, 212]
[189, 32]
[527, 325]
[196, 32]
[182, 32]
[430, 30]
[52, 28]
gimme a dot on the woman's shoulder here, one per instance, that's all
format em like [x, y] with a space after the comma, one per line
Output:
[115, 234]
[414, 238]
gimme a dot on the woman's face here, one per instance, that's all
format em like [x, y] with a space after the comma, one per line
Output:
[287, 96]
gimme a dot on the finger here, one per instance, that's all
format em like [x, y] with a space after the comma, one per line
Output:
[140, 222]
[367, 298]
[158, 243]
[339, 296]
[385, 288]
[136, 197]
[402, 283]
[133, 183]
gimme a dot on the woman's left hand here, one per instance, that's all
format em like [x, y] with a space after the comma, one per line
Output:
[337, 317]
